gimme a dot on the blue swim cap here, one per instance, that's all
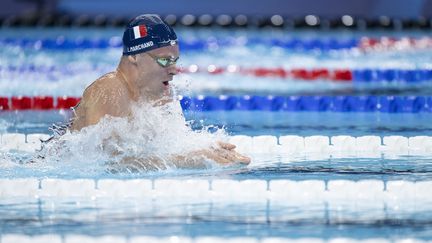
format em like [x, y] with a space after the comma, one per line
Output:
[147, 32]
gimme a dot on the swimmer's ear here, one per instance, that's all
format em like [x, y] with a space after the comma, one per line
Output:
[132, 59]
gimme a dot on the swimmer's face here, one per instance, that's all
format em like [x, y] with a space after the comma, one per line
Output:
[153, 77]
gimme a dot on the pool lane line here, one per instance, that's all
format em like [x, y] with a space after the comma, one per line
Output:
[334, 191]
[366, 44]
[384, 104]
[317, 146]
[16, 103]
[343, 75]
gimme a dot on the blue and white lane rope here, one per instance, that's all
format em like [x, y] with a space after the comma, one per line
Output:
[388, 104]
[62, 43]
[213, 43]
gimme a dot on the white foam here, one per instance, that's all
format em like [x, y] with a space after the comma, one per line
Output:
[13, 141]
[34, 140]
[150, 140]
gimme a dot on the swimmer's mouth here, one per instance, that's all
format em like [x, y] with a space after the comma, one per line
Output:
[166, 83]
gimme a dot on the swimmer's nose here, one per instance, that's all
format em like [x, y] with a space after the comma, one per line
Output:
[172, 70]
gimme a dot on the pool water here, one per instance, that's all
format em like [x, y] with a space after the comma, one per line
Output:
[258, 219]
[27, 69]
[254, 123]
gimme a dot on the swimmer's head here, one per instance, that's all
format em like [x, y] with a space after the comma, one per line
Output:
[147, 32]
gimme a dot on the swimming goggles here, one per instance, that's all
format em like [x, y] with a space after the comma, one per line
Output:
[164, 61]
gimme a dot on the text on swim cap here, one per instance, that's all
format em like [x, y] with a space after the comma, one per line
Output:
[140, 46]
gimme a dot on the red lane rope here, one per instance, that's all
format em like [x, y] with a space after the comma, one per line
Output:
[366, 44]
[390, 43]
[37, 102]
[343, 75]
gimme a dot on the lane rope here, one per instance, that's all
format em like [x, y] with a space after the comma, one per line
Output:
[370, 191]
[334, 146]
[367, 44]
[386, 104]
[365, 75]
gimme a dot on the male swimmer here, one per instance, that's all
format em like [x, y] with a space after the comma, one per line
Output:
[148, 64]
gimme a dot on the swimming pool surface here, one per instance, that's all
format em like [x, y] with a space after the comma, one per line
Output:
[321, 200]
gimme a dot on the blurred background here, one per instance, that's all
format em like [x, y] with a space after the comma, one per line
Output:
[332, 8]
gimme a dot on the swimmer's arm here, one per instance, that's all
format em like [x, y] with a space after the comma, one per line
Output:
[132, 164]
[223, 154]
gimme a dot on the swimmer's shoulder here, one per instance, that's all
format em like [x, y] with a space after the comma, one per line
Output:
[108, 84]
[107, 95]
[101, 82]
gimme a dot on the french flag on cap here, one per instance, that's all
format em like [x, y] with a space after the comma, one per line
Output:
[139, 31]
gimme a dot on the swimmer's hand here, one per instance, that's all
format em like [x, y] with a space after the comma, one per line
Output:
[224, 154]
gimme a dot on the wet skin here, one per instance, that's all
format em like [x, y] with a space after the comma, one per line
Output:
[140, 78]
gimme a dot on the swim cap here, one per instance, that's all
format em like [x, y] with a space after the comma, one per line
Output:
[147, 32]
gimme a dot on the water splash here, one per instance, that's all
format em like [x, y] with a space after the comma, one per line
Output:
[152, 138]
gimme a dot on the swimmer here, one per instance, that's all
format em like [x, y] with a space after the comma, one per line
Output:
[148, 64]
